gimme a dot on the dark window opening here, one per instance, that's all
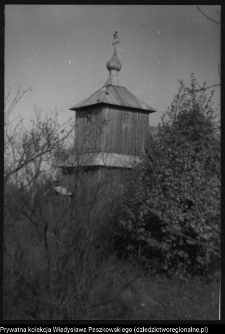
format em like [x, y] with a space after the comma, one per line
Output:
[88, 117]
[125, 119]
[88, 120]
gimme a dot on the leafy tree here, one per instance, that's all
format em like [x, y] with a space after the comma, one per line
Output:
[176, 190]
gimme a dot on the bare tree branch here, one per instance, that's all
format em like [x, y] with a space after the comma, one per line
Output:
[23, 147]
[46, 150]
[200, 89]
[19, 95]
[204, 88]
[208, 17]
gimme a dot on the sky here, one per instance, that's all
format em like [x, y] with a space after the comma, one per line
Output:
[61, 51]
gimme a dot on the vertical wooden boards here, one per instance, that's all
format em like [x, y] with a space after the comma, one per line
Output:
[124, 130]
[107, 131]
[133, 139]
[142, 132]
[137, 133]
[80, 133]
[119, 134]
[106, 128]
[88, 129]
[146, 127]
[111, 130]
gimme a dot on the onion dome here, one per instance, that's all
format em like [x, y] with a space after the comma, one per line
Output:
[114, 63]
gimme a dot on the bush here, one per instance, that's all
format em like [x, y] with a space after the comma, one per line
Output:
[171, 208]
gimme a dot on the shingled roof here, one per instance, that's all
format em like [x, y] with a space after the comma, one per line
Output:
[114, 95]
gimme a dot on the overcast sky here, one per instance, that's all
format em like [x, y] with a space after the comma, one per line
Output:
[61, 51]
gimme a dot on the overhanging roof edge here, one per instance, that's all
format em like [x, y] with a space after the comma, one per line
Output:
[118, 96]
[115, 105]
[100, 159]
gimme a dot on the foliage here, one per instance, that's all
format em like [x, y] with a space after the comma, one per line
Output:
[77, 278]
[55, 247]
[84, 284]
[59, 260]
[172, 203]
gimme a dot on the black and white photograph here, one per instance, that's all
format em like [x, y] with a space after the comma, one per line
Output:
[112, 162]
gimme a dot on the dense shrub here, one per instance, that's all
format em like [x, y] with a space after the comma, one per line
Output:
[171, 209]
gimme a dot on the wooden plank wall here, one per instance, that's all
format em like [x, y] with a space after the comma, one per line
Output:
[88, 134]
[111, 129]
[125, 132]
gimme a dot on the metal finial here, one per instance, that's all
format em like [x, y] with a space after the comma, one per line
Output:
[116, 41]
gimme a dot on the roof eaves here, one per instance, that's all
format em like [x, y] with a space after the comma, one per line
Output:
[102, 159]
[85, 101]
[117, 96]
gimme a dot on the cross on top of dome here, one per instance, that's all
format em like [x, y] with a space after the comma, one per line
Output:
[114, 64]
[116, 41]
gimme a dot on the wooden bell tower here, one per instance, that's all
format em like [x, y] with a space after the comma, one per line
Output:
[112, 127]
